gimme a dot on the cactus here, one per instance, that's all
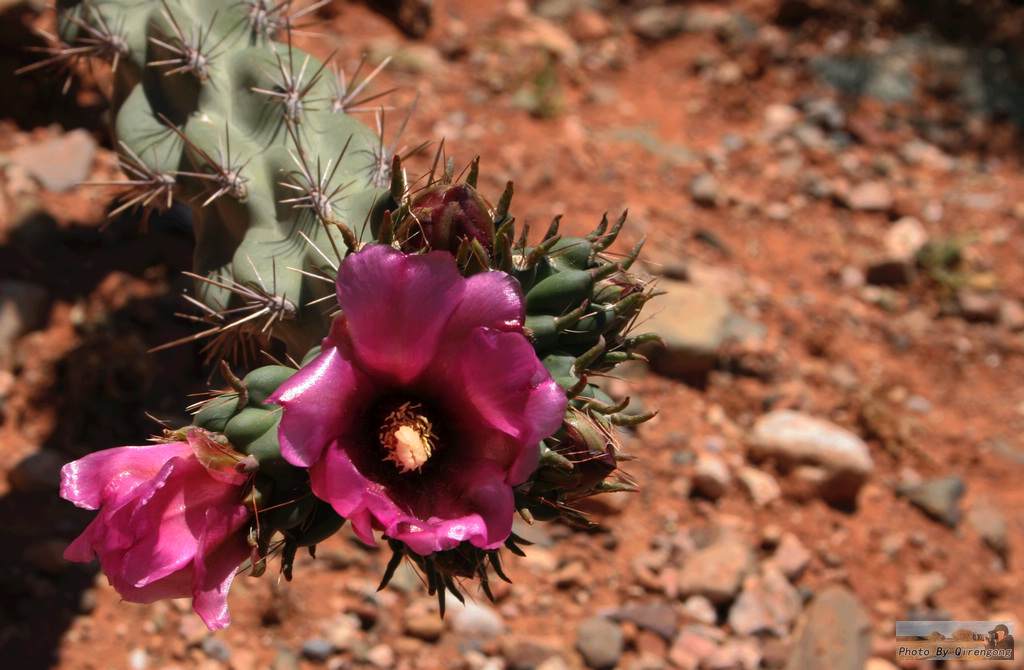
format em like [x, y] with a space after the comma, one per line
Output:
[257, 137]
[283, 183]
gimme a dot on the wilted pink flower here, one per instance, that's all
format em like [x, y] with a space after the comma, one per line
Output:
[171, 523]
[426, 404]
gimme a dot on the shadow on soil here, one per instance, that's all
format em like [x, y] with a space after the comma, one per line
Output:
[100, 393]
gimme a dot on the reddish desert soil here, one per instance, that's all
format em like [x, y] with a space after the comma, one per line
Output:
[83, 381]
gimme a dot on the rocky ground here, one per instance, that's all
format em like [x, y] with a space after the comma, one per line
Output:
[832, 199]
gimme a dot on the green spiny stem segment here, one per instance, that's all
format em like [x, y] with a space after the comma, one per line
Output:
[280, 492]
[252, 134]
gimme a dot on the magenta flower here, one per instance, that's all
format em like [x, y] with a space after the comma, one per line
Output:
[171, 524]
[426, 404]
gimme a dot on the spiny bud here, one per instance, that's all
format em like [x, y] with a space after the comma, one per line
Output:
[443, 216]
[590, 449]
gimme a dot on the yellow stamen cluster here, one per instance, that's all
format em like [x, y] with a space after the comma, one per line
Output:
[408, 437]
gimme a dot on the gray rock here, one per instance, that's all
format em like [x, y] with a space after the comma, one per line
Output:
[921, 587]
[1011, 315]
[59, 163]
[869, 196]
[810, 136]
[553, 663]
[735, 655]
[572, 574]
[979, 306]
[423, 625]
[285, 659]
[891, 81]
[767, 604]
[600, 641]
[889, 78]
[693, 645]
[216, 648]
[711, 476]
[746, 335]
[759, 485]
[345, 633]
[475, 619]
[658, 618]
[902, 242]
[905, 238]
[381, 656]
[527, 653]
[990, 524]
[704, 190]
[793, 439]
[780, 119]
[317, 649]
[692, 322]
[826, 112]
[851, 277]
[716, 572]
[658, 23]
[38, 472]
[701, 610]
[791, 556]
[836, 633]
[938, 498]
[778, 211]
[984, 202]
[728, 73]
[138, 659]
[919, 404]
[815, 185]
[23, 308]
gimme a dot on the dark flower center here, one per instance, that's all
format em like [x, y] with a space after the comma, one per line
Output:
[408, 437]
[410, 432]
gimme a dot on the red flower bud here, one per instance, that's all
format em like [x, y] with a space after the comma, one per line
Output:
[444, 216]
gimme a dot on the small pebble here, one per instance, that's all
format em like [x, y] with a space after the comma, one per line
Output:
[317, 649]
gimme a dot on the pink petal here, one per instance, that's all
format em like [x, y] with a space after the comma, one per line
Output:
[221, 550]
[481, 516]
[176, 585]
[502, 386]
[164, 543]
[335, 479]
[104, 536]
[322, 400]
[169, 522]
[396, 307]
[491, 300]
[471, 503]
[110, 475]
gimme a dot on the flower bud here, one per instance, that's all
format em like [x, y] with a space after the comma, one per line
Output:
[441, 217]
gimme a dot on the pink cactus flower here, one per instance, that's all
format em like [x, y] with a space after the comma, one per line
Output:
[171, 523]
[426, 404]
